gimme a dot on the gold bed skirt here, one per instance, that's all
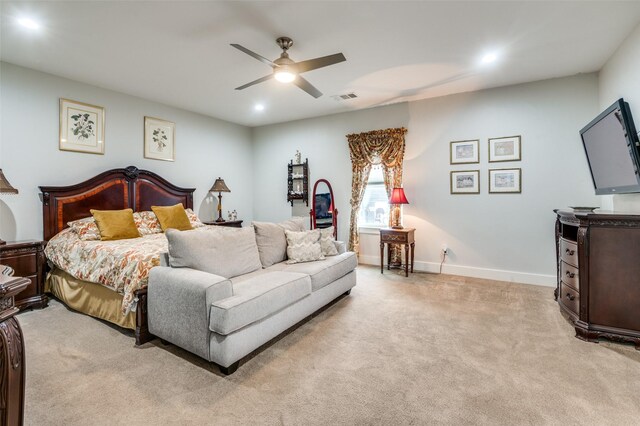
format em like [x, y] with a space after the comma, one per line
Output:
[89, 298]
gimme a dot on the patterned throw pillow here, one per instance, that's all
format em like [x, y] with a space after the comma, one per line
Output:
[303, 246]
[326, 242]
[86, 229]
[147, 223]
[193, 218]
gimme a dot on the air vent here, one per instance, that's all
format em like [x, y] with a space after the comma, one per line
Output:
[344, 97]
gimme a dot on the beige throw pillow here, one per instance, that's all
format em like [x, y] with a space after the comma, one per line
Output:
[271, 240]
[303, 246]
[227, 252]
[327, 242]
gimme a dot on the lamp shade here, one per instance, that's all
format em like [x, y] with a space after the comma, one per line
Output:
[398, 197]
[219, 186]
[5, 186]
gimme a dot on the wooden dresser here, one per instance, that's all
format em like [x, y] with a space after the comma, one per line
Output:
[598, 259]
[27, 260]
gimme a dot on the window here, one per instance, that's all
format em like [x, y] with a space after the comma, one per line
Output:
[374, 210]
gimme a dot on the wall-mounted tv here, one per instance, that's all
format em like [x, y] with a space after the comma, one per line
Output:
[611, 144]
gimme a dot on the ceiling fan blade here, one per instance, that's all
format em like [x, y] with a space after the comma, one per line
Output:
[313, 64]
[260, 80]
[253, 54]
[307, 87]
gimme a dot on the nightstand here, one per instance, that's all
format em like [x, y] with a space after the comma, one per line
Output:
[28, 261]
[404, 236]
[229, 223]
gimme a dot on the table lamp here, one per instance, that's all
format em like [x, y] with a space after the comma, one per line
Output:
[5, 188]
[219, 186]
[397, 198]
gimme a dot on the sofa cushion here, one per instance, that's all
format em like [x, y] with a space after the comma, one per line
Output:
[257, 298]
[322, 272]
[303, 246]
[327, 242]
[272, 243]
[227, 252]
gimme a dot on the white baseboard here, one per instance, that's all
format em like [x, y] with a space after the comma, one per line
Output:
[472, 271]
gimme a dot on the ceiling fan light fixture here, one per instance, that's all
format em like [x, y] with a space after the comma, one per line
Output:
[285, 74]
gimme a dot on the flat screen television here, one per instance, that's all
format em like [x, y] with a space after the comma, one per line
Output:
[611, 144]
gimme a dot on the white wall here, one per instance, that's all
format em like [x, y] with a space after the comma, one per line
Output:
[619, 79]
[500, 236]
[29, 156]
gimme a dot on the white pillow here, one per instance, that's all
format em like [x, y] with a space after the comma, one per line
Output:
[327, 242]
[303, 246]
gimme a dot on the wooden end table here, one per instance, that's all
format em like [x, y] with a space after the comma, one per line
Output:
[27, 260]
[404, 236]
[228, 223]
[12, 367]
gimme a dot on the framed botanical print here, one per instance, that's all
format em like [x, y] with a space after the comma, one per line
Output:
[504, 149]
[463, 152]
[465, 182]
[159, 139]
[505, 181]
[81, 127]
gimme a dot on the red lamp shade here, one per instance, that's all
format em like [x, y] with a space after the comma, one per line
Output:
[398, 197]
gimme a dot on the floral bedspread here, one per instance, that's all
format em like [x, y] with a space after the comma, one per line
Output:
[121, 265]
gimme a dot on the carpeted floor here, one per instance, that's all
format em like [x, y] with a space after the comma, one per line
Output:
[426, 349]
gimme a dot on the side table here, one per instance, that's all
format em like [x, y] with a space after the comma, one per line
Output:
[12, 368]
[404, 236]
[27, 260]
[228, 223]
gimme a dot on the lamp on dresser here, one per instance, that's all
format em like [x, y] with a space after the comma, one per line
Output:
[397, 198]
[5, 188]
[219, 186]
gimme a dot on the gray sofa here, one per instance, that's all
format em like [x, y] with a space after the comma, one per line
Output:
[225, 292]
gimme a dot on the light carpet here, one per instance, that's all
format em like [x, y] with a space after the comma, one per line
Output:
[428, 349]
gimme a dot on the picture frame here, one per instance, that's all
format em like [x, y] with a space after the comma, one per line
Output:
[159, 139]
[464, 152]
[81, 127]
[465, 182]
[507, 148]
[505, 181]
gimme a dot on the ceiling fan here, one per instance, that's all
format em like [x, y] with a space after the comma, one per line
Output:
[286, 70]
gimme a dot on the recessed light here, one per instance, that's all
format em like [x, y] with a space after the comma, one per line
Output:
[28, 23]
[489, 58]
[258, 107]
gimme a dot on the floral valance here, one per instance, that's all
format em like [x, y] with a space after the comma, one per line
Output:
[377, 146]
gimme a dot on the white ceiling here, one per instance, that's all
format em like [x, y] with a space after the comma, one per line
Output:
[178, 53]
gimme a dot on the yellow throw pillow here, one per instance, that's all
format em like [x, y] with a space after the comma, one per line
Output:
[172, 217]
[115, 224]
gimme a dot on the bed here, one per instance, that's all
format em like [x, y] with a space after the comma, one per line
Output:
[111, 190]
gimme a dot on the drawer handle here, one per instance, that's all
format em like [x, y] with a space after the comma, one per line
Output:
[571, 274]
[570, 252]
[570, 296]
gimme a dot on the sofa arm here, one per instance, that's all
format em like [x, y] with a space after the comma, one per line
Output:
[178, 304]
[341, 246]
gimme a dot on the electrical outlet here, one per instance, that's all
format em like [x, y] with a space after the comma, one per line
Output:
[445, 249]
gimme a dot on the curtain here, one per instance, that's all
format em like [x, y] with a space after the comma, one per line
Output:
[385, 147]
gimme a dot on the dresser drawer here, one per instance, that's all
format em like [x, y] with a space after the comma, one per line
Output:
[569, 275]
[23, 264]
[569, 298]
[569, 252]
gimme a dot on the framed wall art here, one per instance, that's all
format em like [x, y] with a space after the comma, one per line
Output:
[504, 149]
[505, 181]
[464, 152]
[159, 139]
[81, 127]
[465, 182]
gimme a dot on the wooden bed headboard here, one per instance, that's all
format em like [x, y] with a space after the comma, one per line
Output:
[111, 190]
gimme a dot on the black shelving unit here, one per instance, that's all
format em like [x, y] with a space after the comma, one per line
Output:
[298, 174]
